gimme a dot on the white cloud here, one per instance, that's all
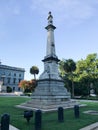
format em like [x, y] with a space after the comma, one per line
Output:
[75, 11]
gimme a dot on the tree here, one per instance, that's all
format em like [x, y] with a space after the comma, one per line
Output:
[34, 70]
[28, 86]
[67, 68]
[23, 84]
[32, 84]
[61, 68]
[85, 74]
[87, 71]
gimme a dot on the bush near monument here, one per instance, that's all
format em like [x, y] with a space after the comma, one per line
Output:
[28, 86]
[9, 89]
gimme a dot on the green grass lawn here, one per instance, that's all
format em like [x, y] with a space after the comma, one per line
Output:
[49, 120]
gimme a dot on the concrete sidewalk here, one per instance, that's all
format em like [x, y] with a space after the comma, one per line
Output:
[13, 128]
[93, 126]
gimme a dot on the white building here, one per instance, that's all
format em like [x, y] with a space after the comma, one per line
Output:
[10, 77]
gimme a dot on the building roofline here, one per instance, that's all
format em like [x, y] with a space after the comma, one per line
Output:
[12, 68]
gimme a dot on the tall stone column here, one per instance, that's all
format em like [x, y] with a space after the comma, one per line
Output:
[50, 92]
[50, 60]
[50, 51]
[50, 89]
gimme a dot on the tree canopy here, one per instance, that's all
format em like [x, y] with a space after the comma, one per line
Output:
[27, 86]
[67, 68]
[82, 73]
[88, 68]
[34, 70]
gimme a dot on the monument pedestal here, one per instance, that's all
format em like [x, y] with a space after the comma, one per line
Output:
[49, 95]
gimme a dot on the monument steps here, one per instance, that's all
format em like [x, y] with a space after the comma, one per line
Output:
[48, 107]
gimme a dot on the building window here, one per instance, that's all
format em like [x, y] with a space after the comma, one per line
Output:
[14, 74]
[18, 89]
[19, 75]
[14, 80]
[9, 79]
[9, 74]
[19, 80]
[3, 80]
[13, 89]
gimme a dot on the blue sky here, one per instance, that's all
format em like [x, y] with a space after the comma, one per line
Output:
[23, 36]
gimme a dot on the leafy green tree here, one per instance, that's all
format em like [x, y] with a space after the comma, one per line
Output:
[67, 68]
[83, 76]
[34, 70]
[61, 68]
[87, 71]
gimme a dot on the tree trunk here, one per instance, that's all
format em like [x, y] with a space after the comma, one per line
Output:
[72, 89]
[34, 76]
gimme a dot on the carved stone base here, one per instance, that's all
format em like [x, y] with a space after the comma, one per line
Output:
[49, 95]
[46, 105]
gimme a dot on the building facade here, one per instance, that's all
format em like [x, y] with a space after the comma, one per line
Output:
[10, 77]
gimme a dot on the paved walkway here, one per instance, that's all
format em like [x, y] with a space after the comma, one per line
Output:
[13, 128]
[85, 100]
[13, 95]
[91, 127]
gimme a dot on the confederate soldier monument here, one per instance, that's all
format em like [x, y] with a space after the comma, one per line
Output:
[50, 92]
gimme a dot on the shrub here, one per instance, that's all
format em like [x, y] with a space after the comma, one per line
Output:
[9, 89]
